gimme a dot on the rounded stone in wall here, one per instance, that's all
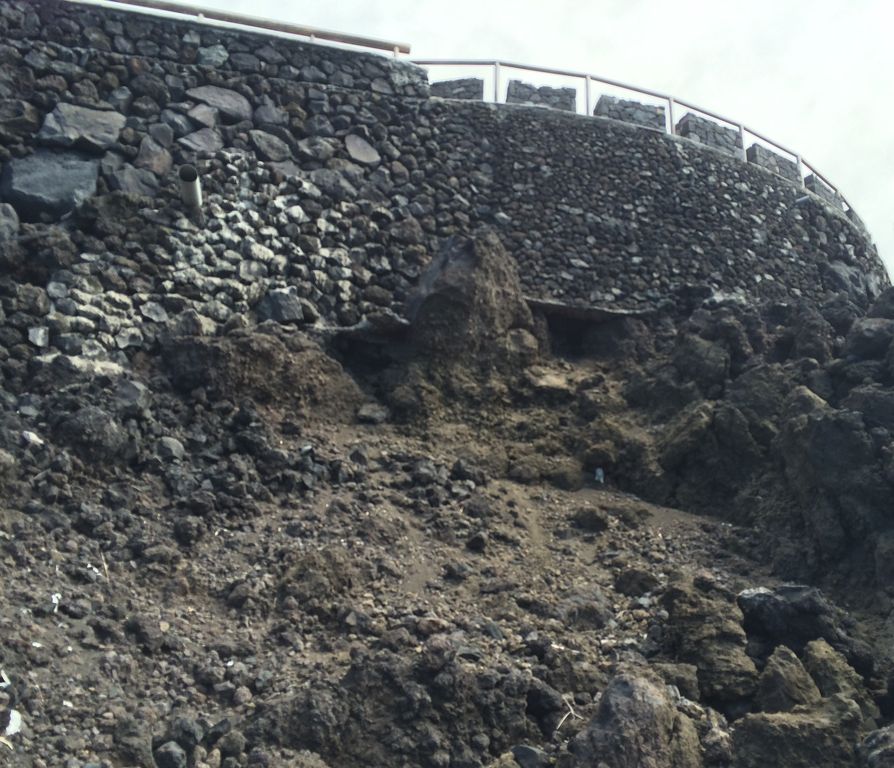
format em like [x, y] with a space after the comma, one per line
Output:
[361, 150]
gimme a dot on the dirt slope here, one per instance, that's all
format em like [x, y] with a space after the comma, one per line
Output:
[492, 537]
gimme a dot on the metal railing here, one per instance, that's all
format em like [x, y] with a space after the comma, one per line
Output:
[255, 22]
[671, 102]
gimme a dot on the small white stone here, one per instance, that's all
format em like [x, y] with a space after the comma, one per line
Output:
[39, 336]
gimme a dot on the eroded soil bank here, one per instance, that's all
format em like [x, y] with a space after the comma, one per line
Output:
[490, 536]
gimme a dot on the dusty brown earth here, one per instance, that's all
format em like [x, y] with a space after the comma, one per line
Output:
[428, 546]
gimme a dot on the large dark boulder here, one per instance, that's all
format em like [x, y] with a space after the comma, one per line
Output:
[637, 726]
[469, 300]
[811, 335]
[233, 106]
[869, 338]
[875, 403]
[784, 683]
[704, 627]
[860, 284]
[883, 305]
[282, 306]
[95, 433]
[270, 147]
[759, 393]
[838, 448]
[707, 450]
[877, 749]
[793, 615]
[203, 140]
[707, 363]
[69, 125]
[18, 117]
[832, 467]
[134, 181]
[48, 182]
[335, 184]
[153, 157]
[117, 213]
[805, 737]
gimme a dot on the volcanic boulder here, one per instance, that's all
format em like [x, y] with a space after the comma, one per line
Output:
[48, 182]
[705, 628]
[72, 126]
[469, 303]
[806, 737]
[636, 725]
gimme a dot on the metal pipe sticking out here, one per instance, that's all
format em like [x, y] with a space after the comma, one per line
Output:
[190, 188]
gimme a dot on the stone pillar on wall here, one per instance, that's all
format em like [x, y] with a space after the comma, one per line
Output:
[468, 88]
[709, 133]
[823, 190]
[630, 111]
[856, 220]
[765, 158]
[555, 98]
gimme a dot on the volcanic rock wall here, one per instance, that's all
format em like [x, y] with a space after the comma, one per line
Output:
[82, 27]
[518, 92]
[630, 111]
[772, 161]
[330, 179]
[708, 132]
[819, 188]
[471, 88]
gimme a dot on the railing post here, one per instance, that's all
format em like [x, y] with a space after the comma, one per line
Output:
[800, 169]
[742, 142]
[587, 95]
[497, 82]
[670, 114]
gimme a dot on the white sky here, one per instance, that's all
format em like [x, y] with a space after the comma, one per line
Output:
[814, 75]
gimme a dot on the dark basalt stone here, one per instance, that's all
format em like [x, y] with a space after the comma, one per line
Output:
[232, 105]
[72, 126]
[48, 182]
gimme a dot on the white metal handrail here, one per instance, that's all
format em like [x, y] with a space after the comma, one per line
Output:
[672, 103]
[257, 22]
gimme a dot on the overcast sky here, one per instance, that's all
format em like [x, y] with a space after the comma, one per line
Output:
[814, 75]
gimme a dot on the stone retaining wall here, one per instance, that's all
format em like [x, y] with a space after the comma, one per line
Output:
[518, 92]
[629, 111]
[709, 133]
[823, 190]
[324, 201]
[471, 88]
[75, 26]
[766, 158]
[603, 213]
